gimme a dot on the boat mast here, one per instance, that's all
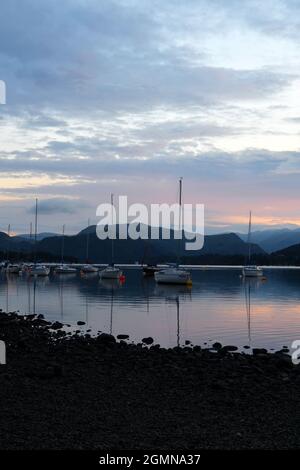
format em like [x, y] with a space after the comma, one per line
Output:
[87, 242]
[63, 245]
[8, 243]
[30, 240]
[35, 229]
[180, 214]
[249, 238]
[112, 223]
[178, 322]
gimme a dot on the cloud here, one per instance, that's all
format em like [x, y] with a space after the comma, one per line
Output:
[58, 206]
[128, 94]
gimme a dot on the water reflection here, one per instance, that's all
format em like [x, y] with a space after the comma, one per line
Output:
[111, 285]
[220, 306]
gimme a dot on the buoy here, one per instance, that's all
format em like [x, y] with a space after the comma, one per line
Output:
[122, 278]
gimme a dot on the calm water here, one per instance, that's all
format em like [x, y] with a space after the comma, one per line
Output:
[219, 307]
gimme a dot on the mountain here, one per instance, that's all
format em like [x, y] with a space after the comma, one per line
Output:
[40, 236]
[129, 251]
[126, 251]
[291, 250]
[274, 240]
[228, 244]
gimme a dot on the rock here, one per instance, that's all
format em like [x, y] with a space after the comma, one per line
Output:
[246, 347]
[187, 342]
[148, 340]
[283, 361]
[217, 346]
[229, 348]
[80, 323]
[197, 348]
[105, 338]
[56, 325]
[257, 351]
[285, 350]
[122, 336]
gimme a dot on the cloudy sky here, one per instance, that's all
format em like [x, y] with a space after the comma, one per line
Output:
[125, 96]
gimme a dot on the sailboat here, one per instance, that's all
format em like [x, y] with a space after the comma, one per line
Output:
[148, 269]
[250, 270]
[88, 268]
[111, 271]
[11, 268]
[63, 268]
[37, 269]
[174, 274]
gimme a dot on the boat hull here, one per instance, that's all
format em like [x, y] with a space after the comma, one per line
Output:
[173, 277]
[65, 270]
[252, 272]
[110, 273]
[150, 271]
[39, 271]
[89, 269]
[13, 269]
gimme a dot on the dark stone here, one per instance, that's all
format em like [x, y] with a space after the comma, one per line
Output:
[257, 351]
[148, 340]
[187, 342]
[122, 336]
[56, 325]
[229, 348]
[105, 338]
[80, 323]
[217, 346]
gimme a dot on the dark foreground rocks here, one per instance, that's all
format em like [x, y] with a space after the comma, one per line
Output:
[75, 392]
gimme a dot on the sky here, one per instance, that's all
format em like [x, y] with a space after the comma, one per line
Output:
[126, 96]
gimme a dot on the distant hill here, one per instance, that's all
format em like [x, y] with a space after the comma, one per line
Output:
[274, 240]
[126, 251]
[129, 251]
[291, 250]
[40, 236]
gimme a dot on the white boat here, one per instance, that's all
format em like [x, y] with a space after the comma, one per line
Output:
[250, 270]
[13, 268]
[39, 270]
[64, 269]
[89, 268]
[110, 272]
[174, 274]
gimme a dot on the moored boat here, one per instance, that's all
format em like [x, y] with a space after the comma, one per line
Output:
[174, 274]
[39, 270]
[89, 268]
[13, 268]
[150, 270]
[110, 272]
[251, 270]
[64, 269]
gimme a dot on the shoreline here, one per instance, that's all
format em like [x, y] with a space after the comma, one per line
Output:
[73, 391]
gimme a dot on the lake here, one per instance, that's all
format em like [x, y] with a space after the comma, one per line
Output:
[220, 306]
